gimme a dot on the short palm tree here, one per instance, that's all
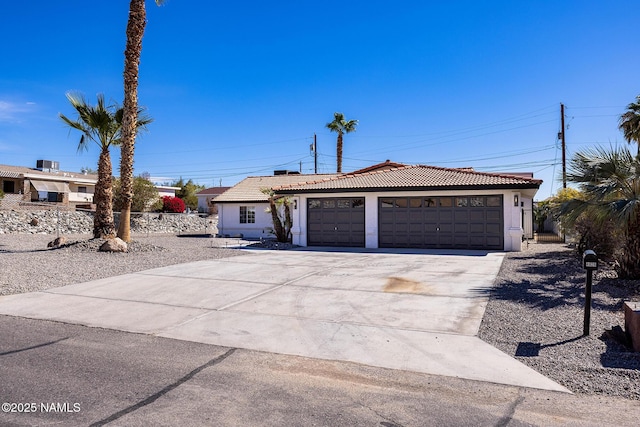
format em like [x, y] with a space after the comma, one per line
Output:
[133, 49]
[610, 183]
[100, 124]
[630, 123]
[341, 126]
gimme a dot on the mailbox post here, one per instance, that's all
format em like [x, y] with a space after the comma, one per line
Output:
[589, 263]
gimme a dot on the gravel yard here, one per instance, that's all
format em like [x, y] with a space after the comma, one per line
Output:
[26, 265]
[535, 312]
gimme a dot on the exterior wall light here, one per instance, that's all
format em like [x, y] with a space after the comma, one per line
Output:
[516, 200]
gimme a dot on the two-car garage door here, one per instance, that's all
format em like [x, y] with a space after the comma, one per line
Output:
[461, 222]
[456, 222]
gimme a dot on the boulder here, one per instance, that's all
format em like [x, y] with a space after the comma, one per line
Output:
[34, 222]
[114, 245]
[57, 242]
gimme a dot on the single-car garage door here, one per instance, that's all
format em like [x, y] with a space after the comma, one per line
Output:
[461, 222]
[335, 222]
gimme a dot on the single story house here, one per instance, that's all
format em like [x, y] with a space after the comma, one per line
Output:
[206, 198]
[166, 190]
[242, 209]
[403, 206]
[46, 183]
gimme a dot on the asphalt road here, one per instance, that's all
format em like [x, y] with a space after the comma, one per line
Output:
[76, 376]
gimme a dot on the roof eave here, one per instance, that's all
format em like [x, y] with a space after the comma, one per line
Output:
[521, 186]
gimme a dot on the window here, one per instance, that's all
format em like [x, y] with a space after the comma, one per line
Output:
[477, 202]
[344, 203]
[494, 201]
[445, 202]
[314, 204]
[8, 186]
[386, 203]
[415, 202]
[247, 214]
[82, 189]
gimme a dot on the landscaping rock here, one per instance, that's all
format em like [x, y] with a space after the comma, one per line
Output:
[114, 245]
[57, 242]
[75, 222]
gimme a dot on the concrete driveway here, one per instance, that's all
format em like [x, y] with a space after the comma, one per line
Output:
[418, 311]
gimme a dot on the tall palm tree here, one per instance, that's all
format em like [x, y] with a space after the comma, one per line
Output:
[610, 182]
[135, 32]
[630, 123]
[101, 124]
[341, 126]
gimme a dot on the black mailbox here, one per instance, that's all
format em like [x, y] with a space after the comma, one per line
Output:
[590, 260]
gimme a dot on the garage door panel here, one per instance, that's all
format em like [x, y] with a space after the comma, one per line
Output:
[445, 228]
[476, 228]
[445, 222]
[445, 215]
[476, 215]
[494, 228]
[336, 222]
[461, 215]
[431, 215]
[461, 228]
[494, 215]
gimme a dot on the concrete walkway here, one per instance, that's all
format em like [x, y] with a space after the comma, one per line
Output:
[418, 311]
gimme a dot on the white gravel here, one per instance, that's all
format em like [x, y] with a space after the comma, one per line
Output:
[535, 312]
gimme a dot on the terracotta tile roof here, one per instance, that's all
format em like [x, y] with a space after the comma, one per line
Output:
[388, 164]
[412, 177]
[249, 189]
[8, 171]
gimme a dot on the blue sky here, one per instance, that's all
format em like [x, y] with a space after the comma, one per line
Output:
[239, 88]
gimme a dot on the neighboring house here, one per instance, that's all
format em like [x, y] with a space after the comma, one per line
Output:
[411, 207]
[46, 183]
[206, 198]
[165, 190]
[242, 209]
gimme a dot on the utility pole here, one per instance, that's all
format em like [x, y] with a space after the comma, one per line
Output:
[315, 153]
[564, 148]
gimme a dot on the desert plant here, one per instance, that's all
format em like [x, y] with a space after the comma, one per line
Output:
[610, 184]
[172, 204]
[280, 210]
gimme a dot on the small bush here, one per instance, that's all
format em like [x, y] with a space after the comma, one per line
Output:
[602, 237]
[172, 204]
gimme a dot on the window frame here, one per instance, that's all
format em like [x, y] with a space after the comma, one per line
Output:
[247, 214]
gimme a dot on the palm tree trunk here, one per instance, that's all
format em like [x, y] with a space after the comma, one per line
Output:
[103, 226]
[339, 153]
[135, 31]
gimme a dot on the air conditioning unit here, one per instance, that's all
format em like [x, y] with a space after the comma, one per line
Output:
[47, 165]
